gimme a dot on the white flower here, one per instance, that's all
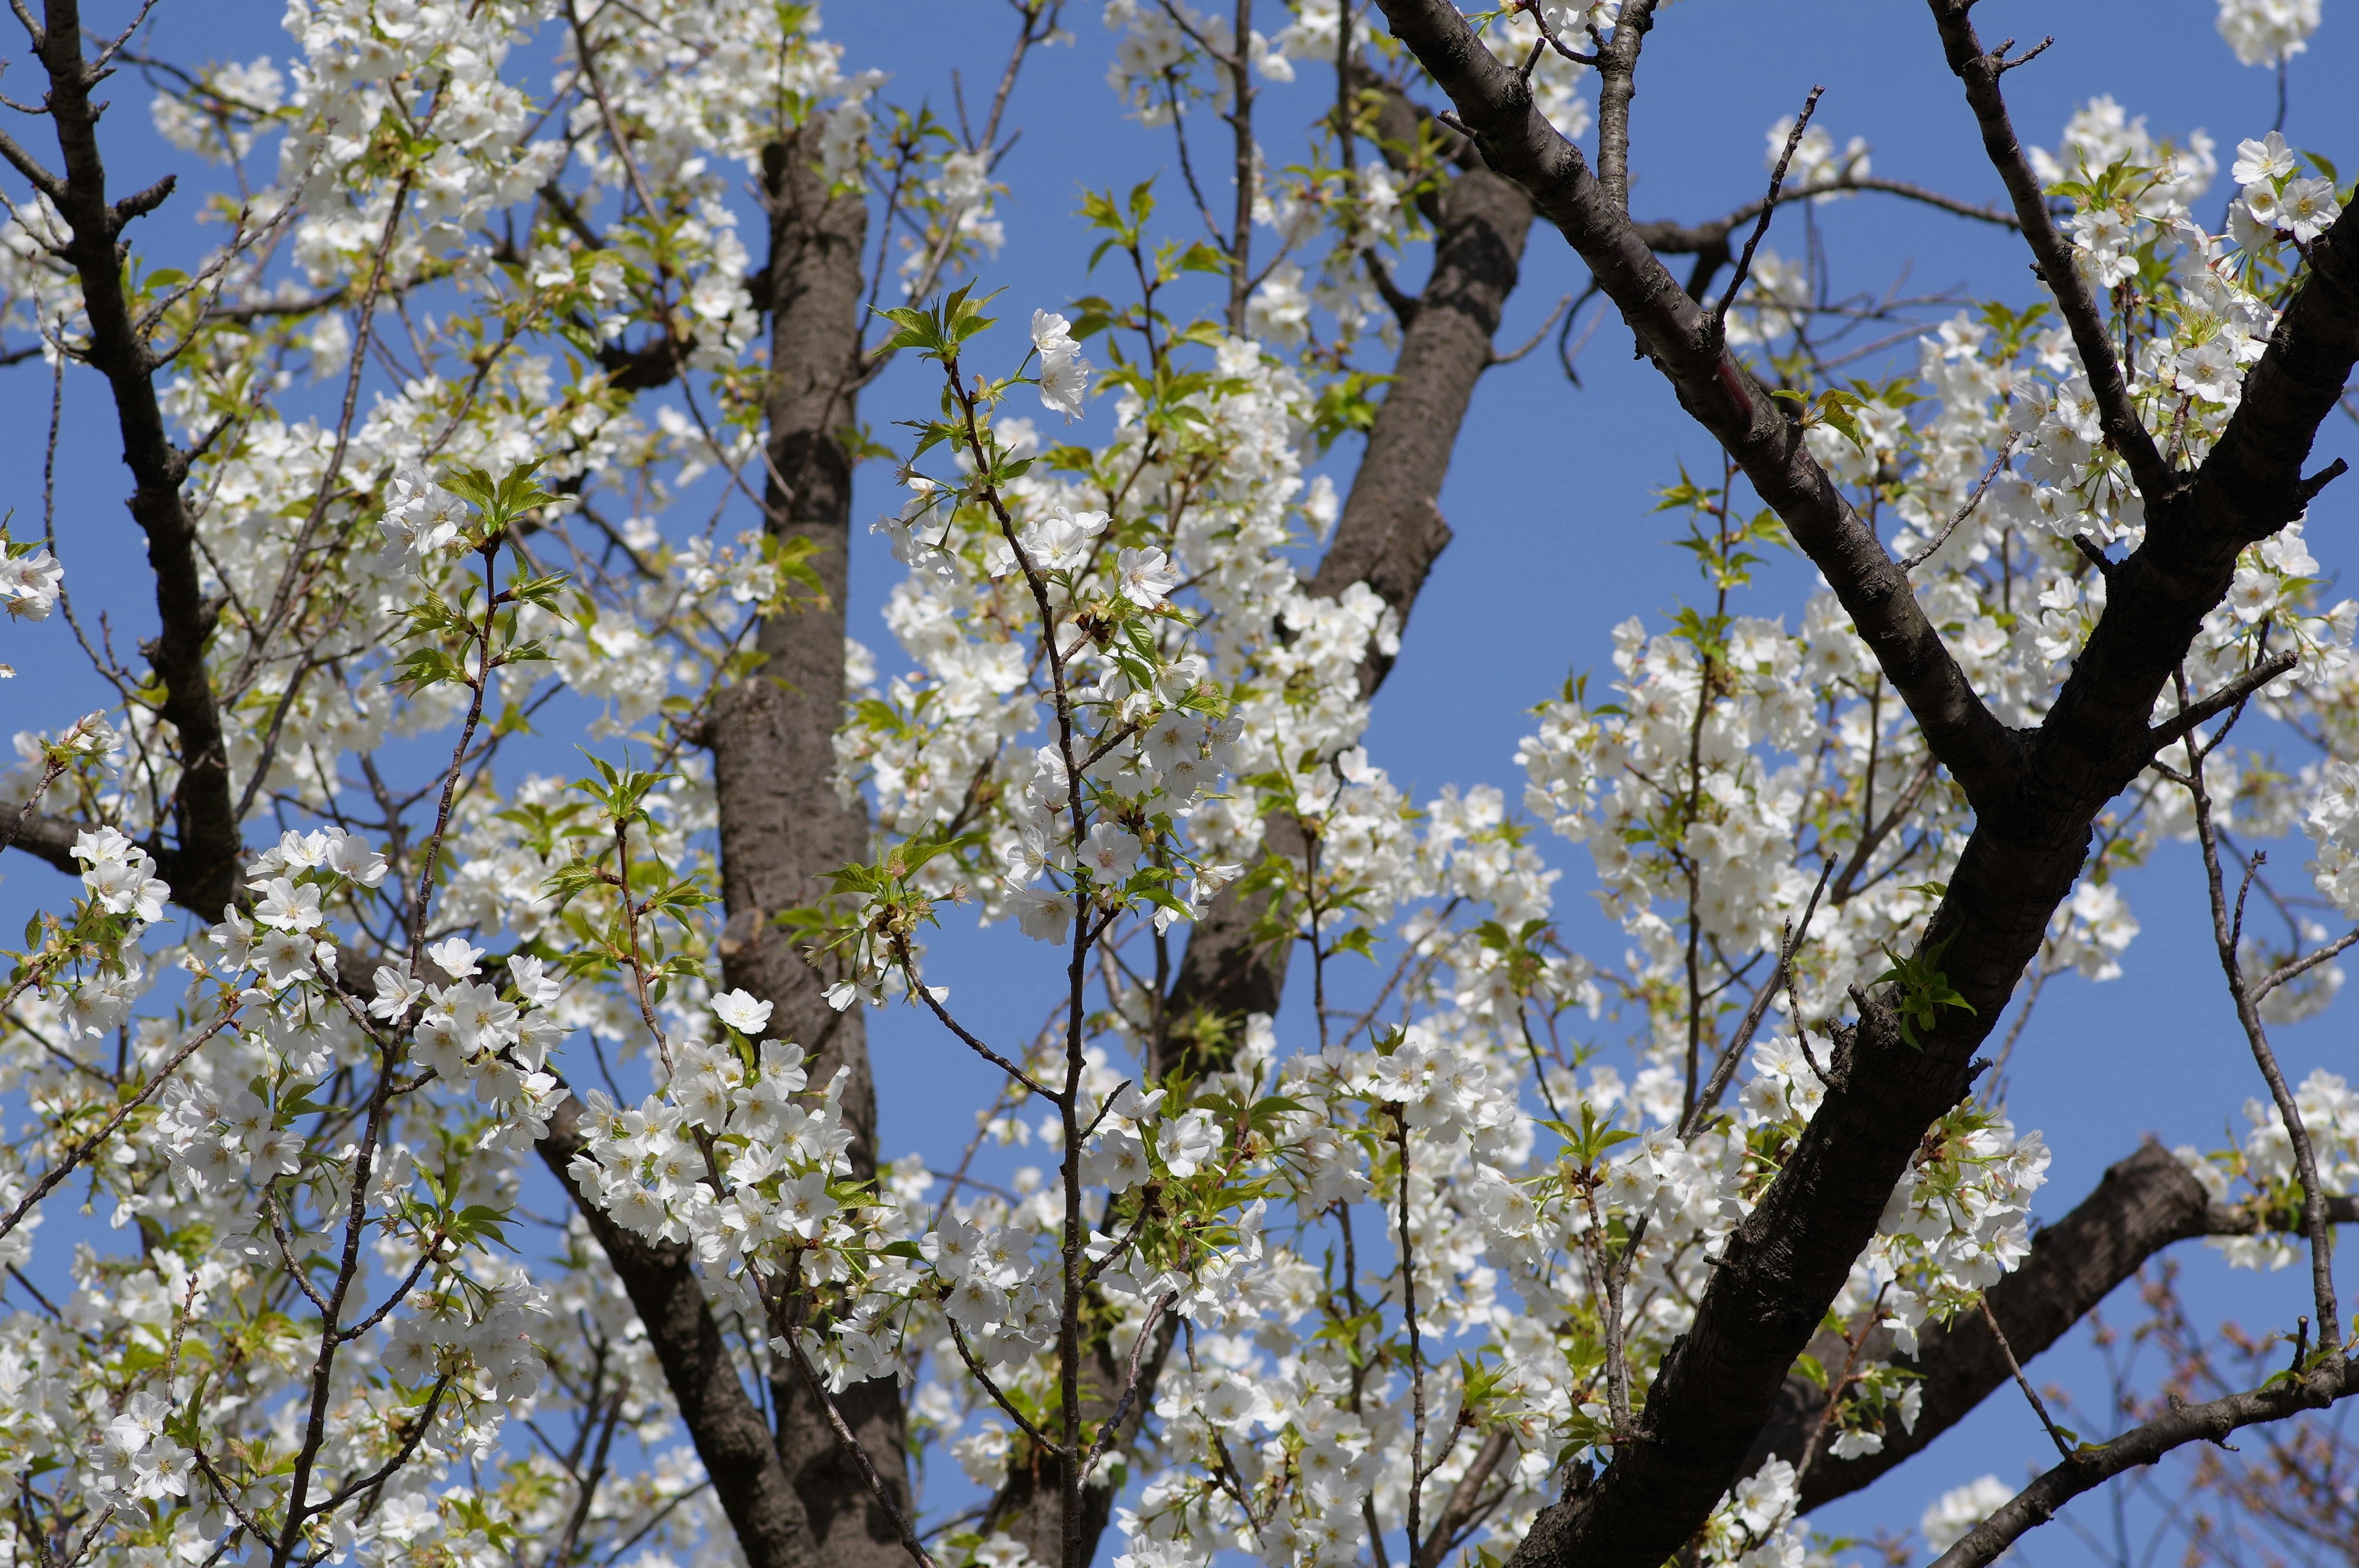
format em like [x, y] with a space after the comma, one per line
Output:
[740, 1012]
[1110, 853]
[422, 518]
[455, 958]
[287, 907]
[2269, 158]
[1186, 1142]
[2267, 32]
[480, 1019]
[284, 956]
[1958, 1510]
[1041, 913]
[1063, 379]
[533, 981]
[30, 584]
[1052, 334]
[1060, 541]
[1146, 576]
[397, 992]
[2307, 207]
[1115, 1161]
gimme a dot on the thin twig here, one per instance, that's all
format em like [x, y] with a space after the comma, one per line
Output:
[2021, 1381]
[1761, 224]
[1989, 476]
[1790, 942]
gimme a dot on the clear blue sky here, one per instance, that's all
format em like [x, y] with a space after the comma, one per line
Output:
[1549, 495]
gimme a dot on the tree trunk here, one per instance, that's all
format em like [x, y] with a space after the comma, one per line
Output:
[782, 826]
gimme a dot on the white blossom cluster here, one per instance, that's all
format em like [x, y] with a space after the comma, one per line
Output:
[2259, 1171]
[2267, 32]
[1117, 696]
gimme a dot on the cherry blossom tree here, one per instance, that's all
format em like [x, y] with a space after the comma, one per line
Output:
[455, 993]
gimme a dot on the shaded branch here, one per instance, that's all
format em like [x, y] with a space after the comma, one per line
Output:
[2125, 433]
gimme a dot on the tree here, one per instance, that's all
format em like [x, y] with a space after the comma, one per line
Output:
[410, 1266]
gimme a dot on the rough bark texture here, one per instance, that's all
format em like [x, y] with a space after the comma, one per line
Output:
[2035, 793]
[752, 1485]
[782, 826]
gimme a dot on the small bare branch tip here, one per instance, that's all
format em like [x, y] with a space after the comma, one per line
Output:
[140, 203]
[2235, 694]
[2321, 479]
[1761, 224]
[1990, 476]
[2001, 65]
[2094, 553]
[1449, 118]
[1534, 341]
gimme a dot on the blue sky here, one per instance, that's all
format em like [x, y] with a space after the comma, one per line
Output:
[1550, 493]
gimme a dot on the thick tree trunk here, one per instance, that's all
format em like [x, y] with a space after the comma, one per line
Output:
[782, 826]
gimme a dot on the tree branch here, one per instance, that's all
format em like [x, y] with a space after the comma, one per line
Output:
[2145, 1204]
[1716, 388]
[2034, 799]
[748, 1479]
[205, 822]
[2125, 431]
[2094, 1463]
[2234, 693]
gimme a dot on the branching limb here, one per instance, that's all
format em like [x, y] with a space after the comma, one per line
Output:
[1466, 1501]
[859, 1455]
[2293, 969]
[2228, 930]
[1990, 476]
[1790, 944]
[1617, 73]
[1718, 390]
[1112, 1424]
[2039, 1406]
[2125, 433]
[2234, 693]
[2092, 1465]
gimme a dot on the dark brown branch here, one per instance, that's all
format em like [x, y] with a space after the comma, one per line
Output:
[2035, 797]
[1789, 943]
[1691, 239]
[2145, 1204]
[2096, 1464]
[2125, 433]
[1720, 393]
[2235, 694]
[782, 829]
[1389, 535]
[1990, 476]
[1769, 211]
[204, 821]
[1617, 83]
[730, 1438]
[1464, 1504]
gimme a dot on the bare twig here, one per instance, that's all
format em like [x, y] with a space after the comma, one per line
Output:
[1989, 475]
[1790, 943]
[2015, 1367]
[2234, 693]
[1761, 224]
